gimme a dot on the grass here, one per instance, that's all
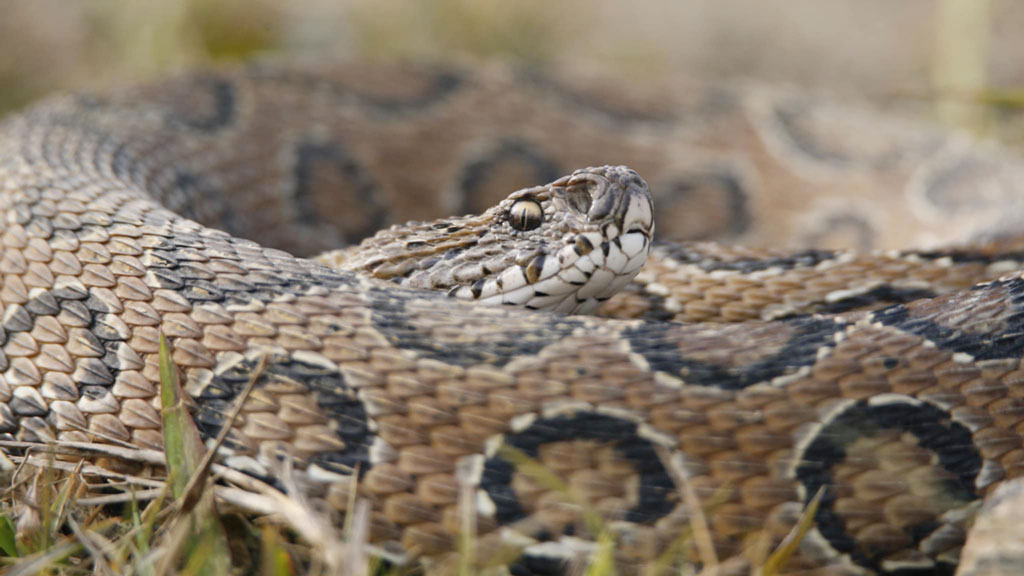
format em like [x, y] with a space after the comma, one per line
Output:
[201, 533]
[62, 516]
[158, 513]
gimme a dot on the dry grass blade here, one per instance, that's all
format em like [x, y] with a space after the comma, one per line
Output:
[357, 561]
[467, 526]
[43, 562]
[67, 496]
[698, 522]
[777, 561]
[126, 498]
[199, 475]
[602, 562]
[550, 480]
[99, 559]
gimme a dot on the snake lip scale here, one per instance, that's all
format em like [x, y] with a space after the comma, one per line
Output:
[888, 379]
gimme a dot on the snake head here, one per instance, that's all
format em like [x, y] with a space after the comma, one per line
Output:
[566, 246]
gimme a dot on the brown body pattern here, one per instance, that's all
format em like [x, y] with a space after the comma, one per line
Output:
[907, 416]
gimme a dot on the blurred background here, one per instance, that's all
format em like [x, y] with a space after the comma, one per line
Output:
[963, 56]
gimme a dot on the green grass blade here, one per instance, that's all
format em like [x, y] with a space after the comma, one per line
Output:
[207, 549]
[8, 538]
[603, 563]
[182, 445]
[276, 560]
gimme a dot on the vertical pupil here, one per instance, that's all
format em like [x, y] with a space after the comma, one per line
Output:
[525, 215]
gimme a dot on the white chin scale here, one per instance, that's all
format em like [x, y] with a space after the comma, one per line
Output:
[573, 283]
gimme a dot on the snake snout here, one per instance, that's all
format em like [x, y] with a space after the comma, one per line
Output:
[638, 216]
[615, 195]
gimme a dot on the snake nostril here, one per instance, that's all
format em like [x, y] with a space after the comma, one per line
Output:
[579, 198]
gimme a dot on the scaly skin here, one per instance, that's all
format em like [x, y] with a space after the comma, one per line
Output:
[907, 416]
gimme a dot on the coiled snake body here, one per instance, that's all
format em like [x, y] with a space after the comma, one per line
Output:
[881, 377]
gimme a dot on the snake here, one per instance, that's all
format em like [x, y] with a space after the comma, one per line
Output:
[831, 308]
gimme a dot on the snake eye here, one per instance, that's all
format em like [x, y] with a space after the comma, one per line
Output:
[525, 215]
